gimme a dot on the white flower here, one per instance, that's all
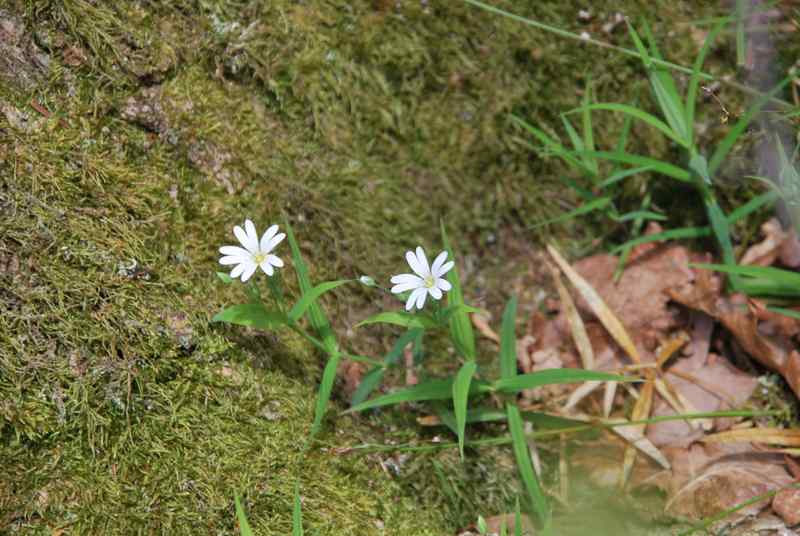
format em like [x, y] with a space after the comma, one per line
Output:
[255, 254]
[425, 279]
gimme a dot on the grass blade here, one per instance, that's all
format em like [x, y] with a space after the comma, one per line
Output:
[694, 80]
[619, 175]
[322, 326]
[635, 113]
[733, 134]
[429, 390]
[369, 381]
[461, 399]
[532, 380]
[523, 457]
[588, 129]
[399, 318]
[309, 297]
[244, 525]
[665, 168]
[683, 232]
[597, 204]
[460, 325]
[297, 514]
[252, 315]
[508, 341]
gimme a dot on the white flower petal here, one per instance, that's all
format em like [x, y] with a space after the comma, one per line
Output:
[423, 260]
[274, 260]
[413, 298]
[402, 287]
[267, 267]
[421, 297]
[235, 251]
[267, 237]
[406, 278]
[249, 270]
[435, 293]
[244, 240]
[238, 269]
[446, 267]
[443, 284]
[252, 234]
[437, 263]
[274, 241]
[412, 261]
[232, 259]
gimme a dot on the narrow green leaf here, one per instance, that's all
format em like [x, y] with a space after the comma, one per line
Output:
[727, 142]
[517, 519]
[751, 206]
[324, 392]
[225, 278]
[428, 390]
[461, 399]
[658, 166]
[244, 525]
[297, 513]
[315, 314]
[401, 318]
[597, 204]
[741, 52]
[666, 92]
[683, 232]
[577, 142]
[694, 80]
[624, 174]
[636, 113]
[368, 382]
[528, 475]
[460, 324]
[322, 326]
[791, 313]
[588, 129]
[252, 315]
[309, 297]
[508, 341]
[521, 382]
[783, 277]
[641, 214]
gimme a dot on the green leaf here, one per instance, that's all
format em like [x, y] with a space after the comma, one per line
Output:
[461, 398]
[525, 467]
[694, 80]
[225, 278]
[368, 382]
[517, 519]
[401, 318]
[751, 206]
[429, 390]
[665, 168]
[553, 376]
[460, 325]
[375, 375]
[508, 341]
[683, 232]
[666, 92]
[791, 313]
[322, 326]
[636, 113]
[764, 280]
[727, 142]
[588, 129]
[252, 315]
[309, 297]
[244, 525]
[597, 204]
[618, 176]
[297, 513]
[641, 214]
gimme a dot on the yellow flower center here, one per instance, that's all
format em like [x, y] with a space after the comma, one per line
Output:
[259, 257]
[428, 282]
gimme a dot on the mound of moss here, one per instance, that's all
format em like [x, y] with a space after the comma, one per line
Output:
[133, 136]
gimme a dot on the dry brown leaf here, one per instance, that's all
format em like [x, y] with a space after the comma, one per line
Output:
[764, 253]
[641, 410]
[577, 327]
[772, 436]
[786, 504]
[598, 306]
[481, 323]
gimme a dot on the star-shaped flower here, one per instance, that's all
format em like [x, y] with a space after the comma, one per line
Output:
[255, 254]
[426, 279]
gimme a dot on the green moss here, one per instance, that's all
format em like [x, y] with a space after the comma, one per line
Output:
[122, 410]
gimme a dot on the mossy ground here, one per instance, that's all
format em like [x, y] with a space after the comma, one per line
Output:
[122, 410]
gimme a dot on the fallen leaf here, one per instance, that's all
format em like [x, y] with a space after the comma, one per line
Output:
[482, 325]
[786, 504]
[766, 252]
[773, 436]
